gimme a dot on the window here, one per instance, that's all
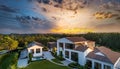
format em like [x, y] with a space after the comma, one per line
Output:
[107, 67]
[61, 45]
[97, 65]
[74, 56]
[32, 51]
[67, 54]
[89, 64]
[69, 46]
[38, 50]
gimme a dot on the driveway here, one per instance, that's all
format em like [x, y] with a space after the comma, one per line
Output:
[22, 63]
[23, 59]
[48, 55]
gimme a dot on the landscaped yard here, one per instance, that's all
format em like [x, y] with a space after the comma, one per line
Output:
[56, 60]
[45, 64]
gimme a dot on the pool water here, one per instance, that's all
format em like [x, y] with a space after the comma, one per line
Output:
[37, 58]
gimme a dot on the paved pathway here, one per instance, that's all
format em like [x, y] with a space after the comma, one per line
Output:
[66, 62]
[49, 57]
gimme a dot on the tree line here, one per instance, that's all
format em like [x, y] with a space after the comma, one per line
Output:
[12, 41]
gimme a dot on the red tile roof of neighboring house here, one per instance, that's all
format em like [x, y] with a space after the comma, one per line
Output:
[52, 44]
[109, 55]
[76, 39]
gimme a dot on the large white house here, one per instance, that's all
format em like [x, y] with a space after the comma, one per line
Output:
[78, 49]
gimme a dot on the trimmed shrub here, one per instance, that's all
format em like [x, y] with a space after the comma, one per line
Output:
[30, 57]
[60, 58]
[74, 65]
[45, 48]
[77, 66]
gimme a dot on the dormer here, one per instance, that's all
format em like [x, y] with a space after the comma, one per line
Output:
[99, 53]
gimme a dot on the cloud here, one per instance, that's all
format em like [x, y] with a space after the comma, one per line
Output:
[62, 16]
[113, 27]
[11, 24]
[7, 9]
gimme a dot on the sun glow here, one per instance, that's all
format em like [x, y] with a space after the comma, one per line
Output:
[67, 21]
[72, 31]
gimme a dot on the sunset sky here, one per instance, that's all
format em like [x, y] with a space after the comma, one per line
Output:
[59, 16]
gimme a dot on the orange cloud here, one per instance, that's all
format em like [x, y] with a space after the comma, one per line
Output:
[72, 31]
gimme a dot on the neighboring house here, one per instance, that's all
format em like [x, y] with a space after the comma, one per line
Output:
[78, 49]
[52, 45]
[35, 48]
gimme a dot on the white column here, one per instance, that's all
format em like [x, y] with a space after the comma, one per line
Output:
[64, 50]
[69, 55]
[93, 64]
[58, 48]
[41, 51]
[102, 66]
[112, 67]
[34, 52]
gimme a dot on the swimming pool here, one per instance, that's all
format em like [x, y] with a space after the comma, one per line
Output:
[37, 58]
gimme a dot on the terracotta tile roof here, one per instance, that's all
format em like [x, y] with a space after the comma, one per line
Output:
[35, 43]
[109, 55]
[81, 48]
[76, 39]
[112, 55]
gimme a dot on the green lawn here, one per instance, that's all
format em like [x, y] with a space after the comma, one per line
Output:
[8, 61]
[56, 60]
[45, 64]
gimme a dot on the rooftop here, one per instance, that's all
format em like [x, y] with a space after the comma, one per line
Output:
[81, 48]
[76, 39]
[109, 55]
[35, 43]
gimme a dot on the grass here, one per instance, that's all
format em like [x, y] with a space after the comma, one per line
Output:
[8, 61]
[56, 60]
[45, 64]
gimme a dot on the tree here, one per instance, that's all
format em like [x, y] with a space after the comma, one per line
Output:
[8, 43]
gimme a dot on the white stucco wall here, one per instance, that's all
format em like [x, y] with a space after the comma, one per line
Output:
[81, 55]
[81, 58]
[62, 40]
[117, 64]
[35, 47]
[86, 53]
